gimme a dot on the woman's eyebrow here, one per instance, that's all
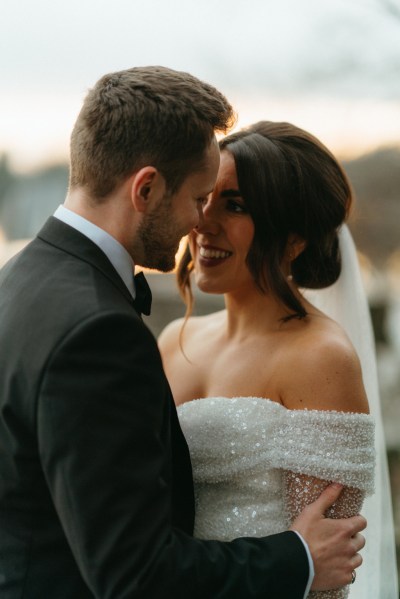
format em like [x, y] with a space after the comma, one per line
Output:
[229, 193]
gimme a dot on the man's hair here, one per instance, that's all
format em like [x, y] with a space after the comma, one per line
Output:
[144, 116]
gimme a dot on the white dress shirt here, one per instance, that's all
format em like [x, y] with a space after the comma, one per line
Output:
[310, 563]
[115, 252]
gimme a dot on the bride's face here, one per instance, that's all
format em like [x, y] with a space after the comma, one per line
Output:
[221, 242]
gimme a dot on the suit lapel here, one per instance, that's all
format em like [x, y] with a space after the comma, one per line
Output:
[68, 239]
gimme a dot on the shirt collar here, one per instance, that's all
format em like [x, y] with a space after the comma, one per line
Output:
[115, 252]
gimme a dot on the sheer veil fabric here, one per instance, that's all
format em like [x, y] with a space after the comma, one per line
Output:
[346, 302]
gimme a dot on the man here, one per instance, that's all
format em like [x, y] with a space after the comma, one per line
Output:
[96, 496]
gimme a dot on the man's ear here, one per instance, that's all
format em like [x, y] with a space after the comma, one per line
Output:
[148, 185]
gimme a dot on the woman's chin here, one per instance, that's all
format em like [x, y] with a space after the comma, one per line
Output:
[207, 286]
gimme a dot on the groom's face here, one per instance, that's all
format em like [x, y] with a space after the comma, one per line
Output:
[177, 214]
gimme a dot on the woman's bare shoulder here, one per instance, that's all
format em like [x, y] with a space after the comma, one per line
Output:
[323, 371]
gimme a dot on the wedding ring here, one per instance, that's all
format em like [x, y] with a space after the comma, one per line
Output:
[353, 577]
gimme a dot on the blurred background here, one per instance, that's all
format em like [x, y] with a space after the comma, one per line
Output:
[331, 67]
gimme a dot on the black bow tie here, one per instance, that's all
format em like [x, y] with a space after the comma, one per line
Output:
[143, 297]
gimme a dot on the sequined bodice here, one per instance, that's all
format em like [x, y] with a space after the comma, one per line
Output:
[241, 449]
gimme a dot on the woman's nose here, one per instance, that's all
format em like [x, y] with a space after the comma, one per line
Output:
[208, 219]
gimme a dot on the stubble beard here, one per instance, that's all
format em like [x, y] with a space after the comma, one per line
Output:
[159, 239]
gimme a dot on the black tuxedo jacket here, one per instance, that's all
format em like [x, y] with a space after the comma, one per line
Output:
[96, 496]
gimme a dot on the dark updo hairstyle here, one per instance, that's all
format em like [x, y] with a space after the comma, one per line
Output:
[291, 184]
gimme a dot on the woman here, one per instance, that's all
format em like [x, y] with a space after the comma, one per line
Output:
[281, 407]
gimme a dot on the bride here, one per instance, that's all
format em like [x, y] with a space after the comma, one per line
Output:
[280, 404]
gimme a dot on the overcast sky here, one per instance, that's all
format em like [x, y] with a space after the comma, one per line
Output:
[332, 66]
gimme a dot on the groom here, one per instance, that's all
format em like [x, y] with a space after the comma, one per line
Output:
[96, 496]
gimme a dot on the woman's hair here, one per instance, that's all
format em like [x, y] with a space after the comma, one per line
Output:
[291, 184]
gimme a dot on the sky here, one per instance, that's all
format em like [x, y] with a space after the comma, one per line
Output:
[330, 66]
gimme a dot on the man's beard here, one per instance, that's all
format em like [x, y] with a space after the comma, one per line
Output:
[158, 238]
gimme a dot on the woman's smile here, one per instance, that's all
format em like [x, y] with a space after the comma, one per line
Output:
[211, 255]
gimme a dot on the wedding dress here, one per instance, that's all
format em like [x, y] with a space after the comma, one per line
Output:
[247, 453]
[251, 456]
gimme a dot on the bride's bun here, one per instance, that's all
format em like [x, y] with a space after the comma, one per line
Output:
[318, 266]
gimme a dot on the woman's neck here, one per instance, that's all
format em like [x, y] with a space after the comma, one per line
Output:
[251, 311]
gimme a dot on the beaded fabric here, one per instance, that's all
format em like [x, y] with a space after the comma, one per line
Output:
[254, 463]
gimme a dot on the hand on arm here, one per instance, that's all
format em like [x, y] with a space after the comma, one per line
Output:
[334, 543]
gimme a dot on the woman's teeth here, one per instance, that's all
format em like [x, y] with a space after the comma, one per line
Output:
[206, 253]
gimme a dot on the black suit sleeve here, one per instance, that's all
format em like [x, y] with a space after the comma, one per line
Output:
[103, 429]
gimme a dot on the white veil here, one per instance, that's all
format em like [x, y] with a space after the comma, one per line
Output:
[346, 302]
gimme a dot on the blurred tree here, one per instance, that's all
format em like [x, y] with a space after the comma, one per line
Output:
[375, 222]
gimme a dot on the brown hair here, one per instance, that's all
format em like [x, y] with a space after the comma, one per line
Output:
[291, 184]
[144, 116]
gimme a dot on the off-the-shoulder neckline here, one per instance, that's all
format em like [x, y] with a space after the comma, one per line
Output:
[273, 404]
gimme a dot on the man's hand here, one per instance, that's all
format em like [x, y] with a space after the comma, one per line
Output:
[334, 544]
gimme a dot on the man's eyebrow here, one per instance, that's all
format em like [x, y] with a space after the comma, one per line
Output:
[229, 193]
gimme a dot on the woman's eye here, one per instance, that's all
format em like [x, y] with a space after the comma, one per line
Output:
[235, 206]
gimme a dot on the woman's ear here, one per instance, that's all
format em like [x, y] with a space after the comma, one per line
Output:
[148, 185]
[294, 247]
